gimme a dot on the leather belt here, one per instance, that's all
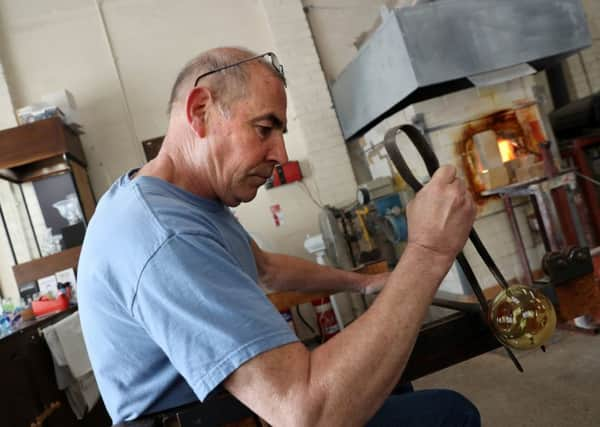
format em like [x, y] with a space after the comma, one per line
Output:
[219, 410]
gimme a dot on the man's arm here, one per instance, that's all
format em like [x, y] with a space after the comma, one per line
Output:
[345, 380]
[280, 272]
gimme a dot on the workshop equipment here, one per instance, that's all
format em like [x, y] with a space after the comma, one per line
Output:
[524, 325]
[571, 272]
[381, 218]
[577, 127]
[337, 247]
[546, 211]
[436, 48]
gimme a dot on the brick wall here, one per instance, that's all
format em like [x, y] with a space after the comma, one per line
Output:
[447, 115]
[313, 113]
[583, 69]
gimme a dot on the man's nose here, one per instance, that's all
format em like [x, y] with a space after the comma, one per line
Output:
[278, 152]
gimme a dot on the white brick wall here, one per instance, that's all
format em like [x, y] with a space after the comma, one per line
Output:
[450, 112]
[583, 69]
[326, 152]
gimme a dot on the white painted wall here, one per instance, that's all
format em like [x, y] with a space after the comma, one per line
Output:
[119, 58]
[7, 116]
[62, 44]
[337, 25]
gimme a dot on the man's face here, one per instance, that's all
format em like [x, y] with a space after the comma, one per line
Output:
[247, 143]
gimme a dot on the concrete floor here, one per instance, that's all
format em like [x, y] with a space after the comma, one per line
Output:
[559, 388]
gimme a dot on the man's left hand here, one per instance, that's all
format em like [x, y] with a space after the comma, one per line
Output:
[374, 282]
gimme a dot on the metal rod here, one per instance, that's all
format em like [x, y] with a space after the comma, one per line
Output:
[37, 243]
[522, 252]
[540, 220]
[10, 244]
[514, 359]
[432, 164]
[487, 259]
[77, 193]
[472, 279]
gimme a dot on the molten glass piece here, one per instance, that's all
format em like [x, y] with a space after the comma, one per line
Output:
[523, 318]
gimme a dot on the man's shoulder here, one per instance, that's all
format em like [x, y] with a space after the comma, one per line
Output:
[140, 215]
[178, 211]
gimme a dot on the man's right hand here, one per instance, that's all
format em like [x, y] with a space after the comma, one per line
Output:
[442, 214]
[291, 386]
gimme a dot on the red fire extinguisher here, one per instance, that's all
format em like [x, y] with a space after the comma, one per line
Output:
[328, 324]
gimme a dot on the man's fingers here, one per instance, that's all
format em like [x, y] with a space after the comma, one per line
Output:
[445, 174]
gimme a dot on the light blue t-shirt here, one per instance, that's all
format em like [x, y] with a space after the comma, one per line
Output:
[168, 297]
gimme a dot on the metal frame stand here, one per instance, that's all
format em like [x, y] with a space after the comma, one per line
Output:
[539, 192]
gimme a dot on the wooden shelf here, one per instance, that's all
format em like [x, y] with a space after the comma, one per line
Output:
[38, 141]
[46, 266]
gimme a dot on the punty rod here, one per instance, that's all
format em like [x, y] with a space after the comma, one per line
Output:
[432, 164]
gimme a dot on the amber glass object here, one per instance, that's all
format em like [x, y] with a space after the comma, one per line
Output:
[522, 317]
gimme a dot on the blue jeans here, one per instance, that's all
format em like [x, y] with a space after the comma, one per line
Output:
[427, 408]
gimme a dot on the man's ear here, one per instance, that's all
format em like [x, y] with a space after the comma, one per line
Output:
[196, 107]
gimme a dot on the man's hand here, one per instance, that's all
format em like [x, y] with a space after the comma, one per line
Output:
[373, 282]
[442, 214]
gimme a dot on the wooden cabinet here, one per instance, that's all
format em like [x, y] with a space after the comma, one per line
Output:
[46, 159]
[33, 158]
[29, 384]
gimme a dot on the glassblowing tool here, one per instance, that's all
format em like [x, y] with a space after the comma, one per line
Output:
[521, 317]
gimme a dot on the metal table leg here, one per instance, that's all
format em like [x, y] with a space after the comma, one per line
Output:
[549, 220]
[540, 221]
[526, 270]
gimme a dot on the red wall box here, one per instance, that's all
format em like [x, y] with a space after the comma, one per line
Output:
[284, 174]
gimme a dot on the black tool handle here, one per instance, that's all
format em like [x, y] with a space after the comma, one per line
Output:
[432, 163]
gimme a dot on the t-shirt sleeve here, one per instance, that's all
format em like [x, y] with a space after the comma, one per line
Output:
[204, 311]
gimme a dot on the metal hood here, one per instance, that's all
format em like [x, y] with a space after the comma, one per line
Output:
[435, 48]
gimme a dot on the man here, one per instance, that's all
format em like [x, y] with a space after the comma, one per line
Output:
[168, 279]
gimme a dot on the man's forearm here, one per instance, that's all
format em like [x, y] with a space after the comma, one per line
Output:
[345, 380]
[288, 273]
[377, 346]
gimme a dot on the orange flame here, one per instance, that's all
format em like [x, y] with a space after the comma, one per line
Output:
[507, 151]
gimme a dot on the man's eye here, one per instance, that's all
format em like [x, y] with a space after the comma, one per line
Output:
[263, 131]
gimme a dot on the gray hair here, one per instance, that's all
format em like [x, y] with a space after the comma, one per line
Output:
[226, 86]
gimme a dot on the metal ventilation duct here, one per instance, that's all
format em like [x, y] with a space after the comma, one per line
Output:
[436, 48]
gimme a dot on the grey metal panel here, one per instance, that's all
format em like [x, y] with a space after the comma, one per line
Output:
[448, 40]
[381, 77]
[428, 51]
